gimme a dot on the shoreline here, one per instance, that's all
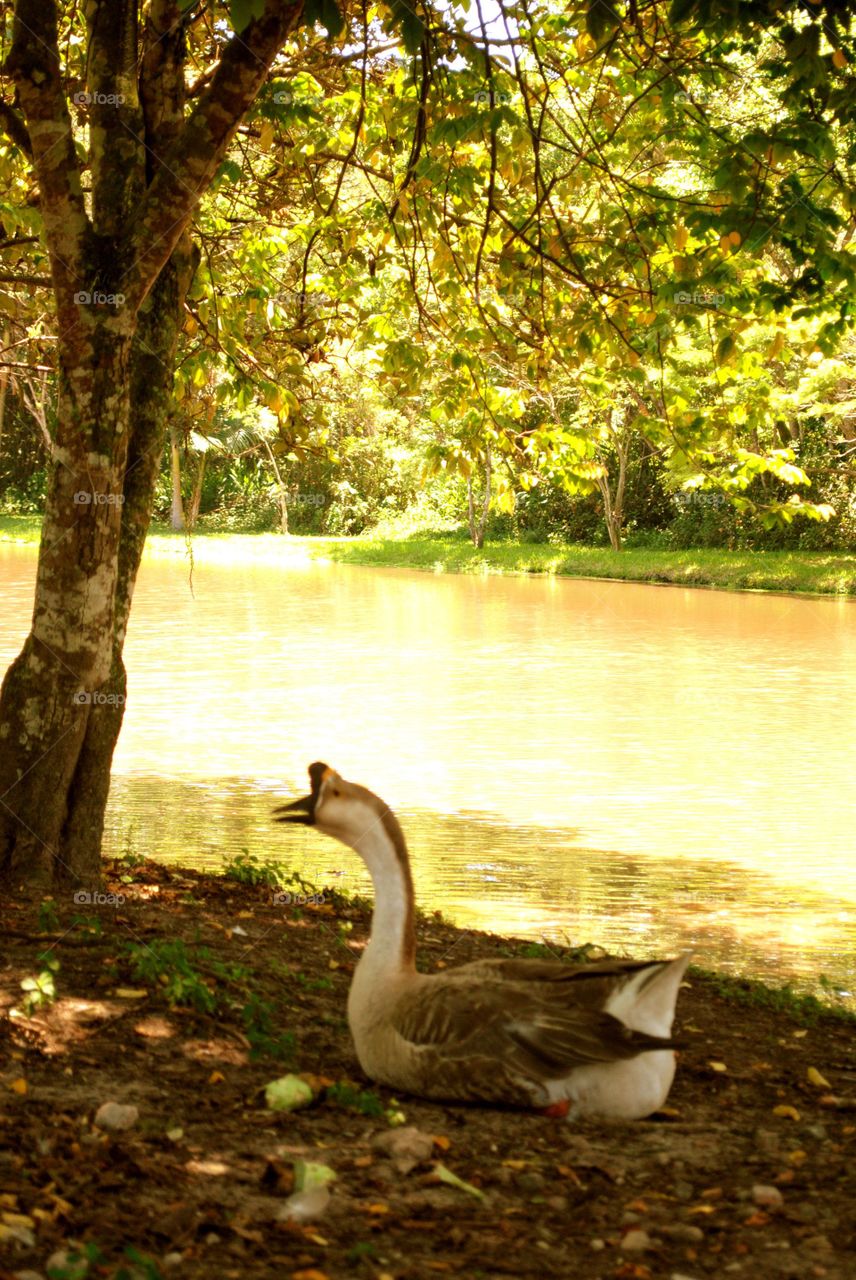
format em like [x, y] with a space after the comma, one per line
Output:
[813, 575]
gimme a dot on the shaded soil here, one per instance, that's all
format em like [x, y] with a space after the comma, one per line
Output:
[198, 1184]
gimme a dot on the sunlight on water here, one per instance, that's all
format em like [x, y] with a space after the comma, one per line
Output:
[645, 767]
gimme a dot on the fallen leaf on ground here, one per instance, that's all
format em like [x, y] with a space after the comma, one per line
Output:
[452, 1180]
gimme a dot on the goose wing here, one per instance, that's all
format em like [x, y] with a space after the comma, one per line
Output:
[501, 1039]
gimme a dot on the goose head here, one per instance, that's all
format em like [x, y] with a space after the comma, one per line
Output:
[354, 816]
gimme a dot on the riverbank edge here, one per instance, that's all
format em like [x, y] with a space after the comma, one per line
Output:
[776, 572]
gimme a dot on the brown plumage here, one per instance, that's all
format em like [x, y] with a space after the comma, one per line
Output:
[525, 1032]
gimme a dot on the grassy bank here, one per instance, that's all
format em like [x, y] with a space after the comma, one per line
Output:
[827, 573]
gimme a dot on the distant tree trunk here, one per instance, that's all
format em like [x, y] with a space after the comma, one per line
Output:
[196, 496]
[281, 489]
[176, 506]
[120, 265]
[478, 526]
[613, 503]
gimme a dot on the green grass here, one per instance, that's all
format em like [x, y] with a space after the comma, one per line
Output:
[827, 573]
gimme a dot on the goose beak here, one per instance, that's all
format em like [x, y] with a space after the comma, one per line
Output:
[302, 811]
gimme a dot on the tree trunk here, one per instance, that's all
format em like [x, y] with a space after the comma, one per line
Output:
[151, 401]
[59, 678]
[177, 506]
[282, 490]
[196, 496]
[477, 527]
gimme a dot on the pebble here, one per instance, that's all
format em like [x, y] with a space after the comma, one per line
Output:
[684, 1190]
[115, 1116]
[531, 1181]
[769, 1197]
[559, 1203]
[304, 1205]
[682, 1231]
[172, 1260]
[636, 1241]
[597, 1244]
[630, 1217]
[59, 1261]
[28, 1275]
[407, 1147]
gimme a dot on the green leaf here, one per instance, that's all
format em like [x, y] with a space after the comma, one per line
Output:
[327, 13]
[452, 1180]
[242, 12]
[405, 17]
[602, 17]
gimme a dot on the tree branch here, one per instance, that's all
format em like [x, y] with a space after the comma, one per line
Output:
[34, 65]
[191, 163]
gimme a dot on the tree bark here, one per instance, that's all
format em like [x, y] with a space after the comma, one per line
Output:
[176, 505]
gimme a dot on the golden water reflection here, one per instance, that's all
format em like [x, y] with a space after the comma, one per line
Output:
[635, 765]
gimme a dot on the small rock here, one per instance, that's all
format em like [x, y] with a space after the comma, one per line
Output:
[817, 1244]
[630, 1217]
[115, 1116]
[559, 1203]
[212, 1238]
[531, 1181]
[304, 1205]
[769, 1197]
[172, 1260]
[597, 1244]
[636, 1241]
[684, 1190]
[406, 1147]
[682, 1231]
[817, 1131]
[60, 1261]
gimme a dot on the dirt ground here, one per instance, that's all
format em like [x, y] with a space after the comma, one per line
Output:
[748, 1172]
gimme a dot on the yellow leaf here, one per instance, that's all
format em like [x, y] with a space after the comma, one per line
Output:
[20, 1086]
[839, 59]
[734, 237]
[681, 237]
[266, 136]
[216, 1077]
[788, 1113]
[797, 1157]
[442, 1142]
[18, 1220]
[814, 1077]
[717, 1066]
[130, 993]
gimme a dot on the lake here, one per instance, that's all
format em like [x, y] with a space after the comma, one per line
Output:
[647, 768]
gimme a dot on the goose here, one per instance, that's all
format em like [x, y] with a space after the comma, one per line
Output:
[588, 1040]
